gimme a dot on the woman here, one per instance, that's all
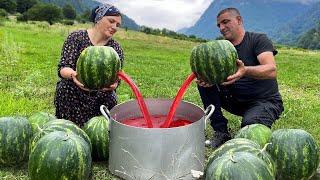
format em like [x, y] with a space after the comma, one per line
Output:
[72, 100]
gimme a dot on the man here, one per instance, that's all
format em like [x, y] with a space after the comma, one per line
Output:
[252, 92]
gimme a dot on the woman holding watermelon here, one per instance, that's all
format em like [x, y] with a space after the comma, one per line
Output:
[252, 92]
[73, 101]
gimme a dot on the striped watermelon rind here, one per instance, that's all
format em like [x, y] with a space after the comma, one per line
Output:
[295, 152]
[60, 155]
[239, 166]
[233, 145]
[59, 125]
[243, 145]
[97, 67]
[214, 61]
[266, 157]
[38, 119]
[97, 128]
[258, 133]
[15, 135]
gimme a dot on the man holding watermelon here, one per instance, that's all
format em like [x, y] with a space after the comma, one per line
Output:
[252, 92]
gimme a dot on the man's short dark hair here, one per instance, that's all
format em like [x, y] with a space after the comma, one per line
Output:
[232, 10]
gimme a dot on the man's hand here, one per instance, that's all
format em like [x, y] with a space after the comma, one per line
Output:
[240, 73]
[202, 83]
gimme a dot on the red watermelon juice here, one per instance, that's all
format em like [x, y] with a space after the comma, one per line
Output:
[156, 121]
[177, 100]
[139, 97]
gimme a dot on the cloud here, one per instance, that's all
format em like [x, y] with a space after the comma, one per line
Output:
[170, 14]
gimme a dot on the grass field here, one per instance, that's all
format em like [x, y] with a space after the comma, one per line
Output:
[29, 54]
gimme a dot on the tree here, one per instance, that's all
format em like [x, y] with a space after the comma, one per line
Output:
[3, 13]
[22, 17]
[310, 39]
[45, 12]
[69, 12]
[25, 5]
[220, 38]
[85, 16]
[9, 5]
[163, 31]
[145, 29]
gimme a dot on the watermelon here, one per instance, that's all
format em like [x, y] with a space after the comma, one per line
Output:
[258, 133]
[214, 61]
[98, 66]
[60, 155]
[97, 130]
[236, 144]
[238, 166]
[243, 145]
[15, 135]
[265, 156]
[38, 119]
[59, 125]
[295, 152]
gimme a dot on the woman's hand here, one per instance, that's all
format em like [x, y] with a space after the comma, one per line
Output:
[81, 86]
[236, 76]
[77, 82]
[202, 83]
[69, 73]
[111, 87]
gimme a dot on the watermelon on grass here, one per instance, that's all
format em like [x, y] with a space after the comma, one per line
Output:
[38, 119]
[258, 133]
[238, 166]
[243, 145]
[233, 145]
[15, 135]
[295, 152]
[97, 128]
[98, 66]
[59, 125]
[214, 61]
[60, 155]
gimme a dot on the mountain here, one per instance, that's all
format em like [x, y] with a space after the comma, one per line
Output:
[310, 39]
[292, 31]
[129, 23]
[259, 15]
[79, 5]
[83, 5]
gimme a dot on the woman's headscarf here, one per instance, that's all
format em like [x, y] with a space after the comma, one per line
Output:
[106, 10]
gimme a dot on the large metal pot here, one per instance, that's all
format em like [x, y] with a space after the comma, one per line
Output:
[156, 153]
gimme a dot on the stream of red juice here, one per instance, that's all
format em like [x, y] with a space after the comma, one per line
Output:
[139, 97]
[177, 100]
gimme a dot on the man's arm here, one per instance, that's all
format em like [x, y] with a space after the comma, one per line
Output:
[266, 70]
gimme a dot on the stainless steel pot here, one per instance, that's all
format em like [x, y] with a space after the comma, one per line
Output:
[156, 153]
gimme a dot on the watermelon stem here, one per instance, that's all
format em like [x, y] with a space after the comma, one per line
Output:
[232, 159]
[67, 137]
[265, 147]
[38, 127]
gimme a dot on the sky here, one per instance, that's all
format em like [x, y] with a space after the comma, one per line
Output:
[169, 14]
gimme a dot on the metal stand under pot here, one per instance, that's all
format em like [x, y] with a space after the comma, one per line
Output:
[156, 153]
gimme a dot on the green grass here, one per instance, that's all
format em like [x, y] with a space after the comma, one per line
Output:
[29, 54]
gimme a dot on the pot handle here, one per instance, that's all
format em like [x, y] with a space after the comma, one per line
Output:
[207, 113]
[106, 113]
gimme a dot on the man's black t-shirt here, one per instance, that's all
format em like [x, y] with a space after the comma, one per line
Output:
[249, 89]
